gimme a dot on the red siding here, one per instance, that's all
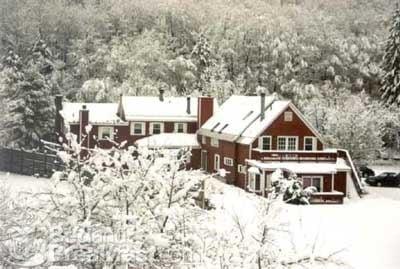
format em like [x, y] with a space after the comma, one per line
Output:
[340, 182]
[296, 127]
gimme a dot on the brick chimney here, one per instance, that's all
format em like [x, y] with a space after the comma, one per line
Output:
[205, 109]
[59, 121]
[161, 95]
[188, 105]
[83, 122]
[262, 106]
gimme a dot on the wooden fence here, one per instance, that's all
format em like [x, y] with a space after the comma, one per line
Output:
[29, 163]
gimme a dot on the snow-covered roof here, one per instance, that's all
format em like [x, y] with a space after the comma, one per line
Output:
[169, 140]
[99, 113]
[303, 167]
[151, 108]
[239, 118]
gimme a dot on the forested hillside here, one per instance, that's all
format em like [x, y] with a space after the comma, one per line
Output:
[324, 55]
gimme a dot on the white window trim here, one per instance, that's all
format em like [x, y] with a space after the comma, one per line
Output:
[217, 168]
[133, 129]
[203, 140]
[214, 142]
[286, 118]
[161, 127]
[314, 143]
[260, 144]
[228, 161]
[242, 169]
[100, 131]
[253, 182]
[321, 181]
[184, 127]
[287, 143]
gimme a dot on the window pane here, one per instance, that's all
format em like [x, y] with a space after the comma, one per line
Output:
[306, 182]
[137, 128]
[156, 128]
[266, 143]
[292, 145]
[281, 143]
[308, 143]
[257, 184]
[316, 182]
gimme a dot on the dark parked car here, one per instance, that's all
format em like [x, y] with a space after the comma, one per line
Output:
[366, 171]
[384, 179]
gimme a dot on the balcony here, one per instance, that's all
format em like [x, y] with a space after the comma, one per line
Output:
[295, 156]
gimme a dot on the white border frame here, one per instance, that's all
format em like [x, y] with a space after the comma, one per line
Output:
[314, 143]
[287, 142]
[101, 128]
[321, 180]
[217, 156]
[185, 127]
[132, 129]
[228, 159]
[260, 142]
[152, 126]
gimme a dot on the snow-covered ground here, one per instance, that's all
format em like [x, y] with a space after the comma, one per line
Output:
[366, 229]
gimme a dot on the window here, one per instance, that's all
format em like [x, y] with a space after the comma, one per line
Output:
[228, 161]
[203, 140]
[309, 143]
[156, 128]
[265, 143]
[287, 142]
[315, 181]
[241, 168]
[216, 162]
[255, 182]
[214, 142]
[288, 116]
[138, 128]
[180, 127]
[106, 132]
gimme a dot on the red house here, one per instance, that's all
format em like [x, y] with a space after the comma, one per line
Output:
[248, 136]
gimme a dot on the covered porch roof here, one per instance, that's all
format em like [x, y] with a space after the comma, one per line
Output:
[302, 167]
[169, 140]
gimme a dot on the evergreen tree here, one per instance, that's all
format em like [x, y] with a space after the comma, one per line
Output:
[28, 96]
[391, 63]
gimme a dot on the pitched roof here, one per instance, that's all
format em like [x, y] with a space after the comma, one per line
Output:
[99, 113]
[239, 118]
[151, 108]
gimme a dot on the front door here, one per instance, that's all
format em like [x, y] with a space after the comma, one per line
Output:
[217, 162]
[204, 160]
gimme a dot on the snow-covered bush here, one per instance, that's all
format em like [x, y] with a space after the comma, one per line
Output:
[291, 188]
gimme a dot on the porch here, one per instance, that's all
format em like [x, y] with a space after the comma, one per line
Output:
[329, 178]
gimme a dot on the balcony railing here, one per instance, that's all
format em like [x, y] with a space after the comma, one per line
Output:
[296, 156]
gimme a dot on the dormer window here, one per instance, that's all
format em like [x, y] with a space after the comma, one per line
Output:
[288, 116]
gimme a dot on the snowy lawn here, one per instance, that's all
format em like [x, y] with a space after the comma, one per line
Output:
[366, 229]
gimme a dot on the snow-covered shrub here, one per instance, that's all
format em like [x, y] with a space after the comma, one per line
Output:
[291, 188]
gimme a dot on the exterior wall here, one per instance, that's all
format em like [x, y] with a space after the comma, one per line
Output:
[225, 149]
[122, 132]
[195, 159]
[296, 127]
[340, 182]
[242, 153]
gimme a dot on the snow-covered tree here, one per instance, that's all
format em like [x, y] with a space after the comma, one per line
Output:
[391, 63]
